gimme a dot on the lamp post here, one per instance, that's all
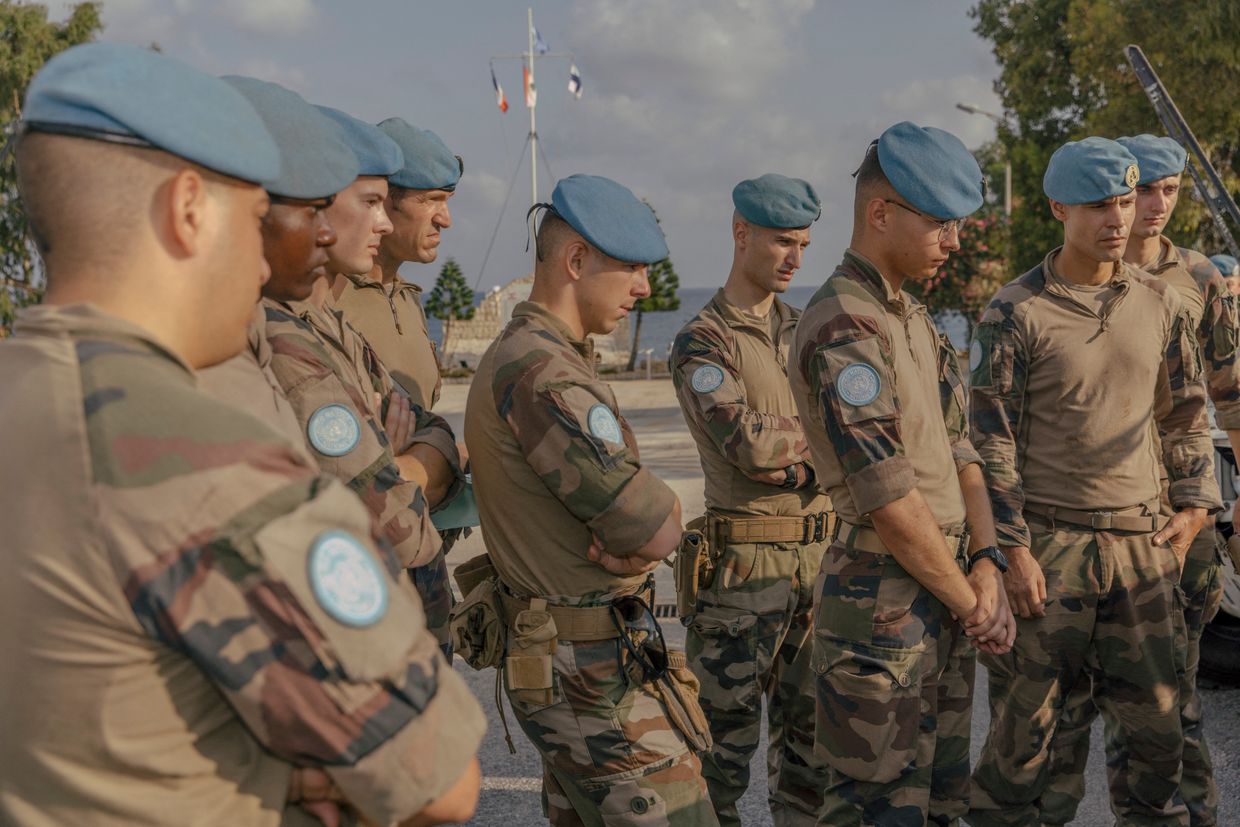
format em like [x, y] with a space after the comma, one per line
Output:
[1007, 162]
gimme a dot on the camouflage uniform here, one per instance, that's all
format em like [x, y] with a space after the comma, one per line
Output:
[895, 672]
[1064, 381]
[164, 607]
[554, 464]
[751, 634]
[1211, 313]
[391, 320]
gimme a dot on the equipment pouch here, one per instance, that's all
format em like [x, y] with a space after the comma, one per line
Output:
[531, 643]
[679, 690]
[472, 572]
[693, 567]
[477, 623]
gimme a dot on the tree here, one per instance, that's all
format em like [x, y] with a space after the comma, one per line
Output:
[664, 295]
[451, 298]
[27, 41]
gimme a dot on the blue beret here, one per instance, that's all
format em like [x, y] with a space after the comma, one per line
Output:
[1091, 169]
[1156, 157]
[315, 160]
[429, 164]
[932, 169]
[120, 93]
[610, 217]
[777, 201]
[376, 153]
[1226, 264]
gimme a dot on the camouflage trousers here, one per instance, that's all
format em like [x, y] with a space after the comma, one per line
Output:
[751, 638]
[1201, 590]
[1113, 622]
[611, 757]
[894, 696]
[435, 589]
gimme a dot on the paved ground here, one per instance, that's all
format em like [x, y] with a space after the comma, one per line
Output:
[510, 788]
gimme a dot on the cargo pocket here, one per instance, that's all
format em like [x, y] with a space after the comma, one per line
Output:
[528, 672]
[722, 643]
[733, 566]
[868, 708]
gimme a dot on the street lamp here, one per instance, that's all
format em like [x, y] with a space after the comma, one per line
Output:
[1007, 162]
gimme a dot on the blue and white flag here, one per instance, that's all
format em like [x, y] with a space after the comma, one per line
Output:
[574, 81]
[540, 45]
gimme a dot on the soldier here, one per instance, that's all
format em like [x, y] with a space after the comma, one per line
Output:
[1230, 270]
[1068, 362]
[1210, 309]
[912, 574]
[766, 519]
[573, 522]
[191, 613]
[387, 310]
[400, 459]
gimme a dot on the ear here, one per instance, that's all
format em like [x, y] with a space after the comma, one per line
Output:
[574, 253]
[740, 233]
[189, 209]
[1060, 211]
[877, 214]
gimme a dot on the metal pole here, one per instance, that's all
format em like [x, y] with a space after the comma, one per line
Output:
[1007, 184]
[533, 127]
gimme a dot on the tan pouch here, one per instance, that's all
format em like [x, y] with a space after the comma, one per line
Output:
[472, 572]
[477, 625]
[531, 644]
[693, 567]
[679, 690]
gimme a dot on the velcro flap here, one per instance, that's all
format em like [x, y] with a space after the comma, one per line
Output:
[528, 671]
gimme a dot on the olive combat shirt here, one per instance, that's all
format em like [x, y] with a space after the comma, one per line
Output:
[730, 369]
[190, 609]
[881, 396]
[554, 463]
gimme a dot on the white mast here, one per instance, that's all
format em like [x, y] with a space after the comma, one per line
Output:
[533, 122]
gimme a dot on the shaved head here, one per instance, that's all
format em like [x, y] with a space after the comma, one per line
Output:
[553, 233]
[871, 183]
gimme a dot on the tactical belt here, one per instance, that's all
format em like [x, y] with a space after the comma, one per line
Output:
[578, 624]
[812, 528]
[865, 538]
[1137, 518]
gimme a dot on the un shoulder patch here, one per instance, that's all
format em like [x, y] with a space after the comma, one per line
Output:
[858, 384]
[603, 424]
[333, 430]
[347, 580]
[707, 378]
[975, 355]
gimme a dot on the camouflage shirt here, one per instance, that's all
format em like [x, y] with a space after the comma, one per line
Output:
[554, 462]
[730, 370]
[330, 376]
[881, 396]
[190, 608]
[1063, 398]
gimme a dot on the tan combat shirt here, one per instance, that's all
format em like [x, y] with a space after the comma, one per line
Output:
[554, 462]
[1064, 397]
[730, 369]
[190, 610]
[392, 320]
[881, 397]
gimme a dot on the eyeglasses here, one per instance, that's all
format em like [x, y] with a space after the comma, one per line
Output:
[945, 227]
[631, 615]
[317, 203]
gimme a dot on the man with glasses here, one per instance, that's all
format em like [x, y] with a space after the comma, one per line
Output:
[767, 519]
[912, 575]
[1077, 367]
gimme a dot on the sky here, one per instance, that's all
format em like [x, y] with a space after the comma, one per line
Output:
[682, 98]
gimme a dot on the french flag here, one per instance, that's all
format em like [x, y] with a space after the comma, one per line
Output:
[500, 100]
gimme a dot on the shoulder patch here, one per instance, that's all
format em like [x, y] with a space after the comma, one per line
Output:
[858, 384]
[333, 430]
[975, 355]
[346, 579]
[707, 378]
[603, 424]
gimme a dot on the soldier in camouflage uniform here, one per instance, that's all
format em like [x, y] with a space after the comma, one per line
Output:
[573, 522]
[1211, 316]
[900, 593]
[1068, 362]
[191, 612]
[767, 517]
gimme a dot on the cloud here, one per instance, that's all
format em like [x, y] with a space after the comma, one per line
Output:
[932, 102]
[273, 17]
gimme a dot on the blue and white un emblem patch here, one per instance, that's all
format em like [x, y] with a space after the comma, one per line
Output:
[333, 430]
[603, 425]
[347, 580]
[858, 384]
[707, 378]
[975, 356]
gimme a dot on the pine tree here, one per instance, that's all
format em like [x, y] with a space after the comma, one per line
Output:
[451, 298]
[664, 295]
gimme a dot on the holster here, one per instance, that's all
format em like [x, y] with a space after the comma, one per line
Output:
[531, 644]
[694, 567]
[477, 623]
[679, 691]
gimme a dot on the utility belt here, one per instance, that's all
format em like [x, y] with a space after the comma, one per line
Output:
[1142, 518]
[865, 538]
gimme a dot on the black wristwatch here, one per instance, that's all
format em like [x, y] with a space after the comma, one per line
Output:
[993, 554]
[790, 477]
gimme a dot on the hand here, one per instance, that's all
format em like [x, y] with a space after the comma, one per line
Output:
[313, 790]
[991, 627]
[622, 566]
[775, 477]
[1024, 582]
[399, 422]
[427, 467]
[1181, 530]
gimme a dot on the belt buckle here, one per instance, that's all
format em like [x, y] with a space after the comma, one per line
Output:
[816, 527]
[1101, 520]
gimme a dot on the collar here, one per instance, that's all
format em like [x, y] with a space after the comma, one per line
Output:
[1121, 275]
[89, 320]
[864, 271]
[542, 315]
[736, 318]
[1168, 257]
[365, 281]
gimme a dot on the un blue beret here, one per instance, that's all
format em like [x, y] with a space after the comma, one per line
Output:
[315, 160]
[777, 201]
[932, 169]
[609, 216]
[111, 91]
[1157, 157]
[429, 164]
[1091, 169]
[1226, 264]
[377, 154]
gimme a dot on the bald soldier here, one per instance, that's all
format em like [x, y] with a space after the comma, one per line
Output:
[573, 523]
[912, 575]
[191, 613]
[1211, 321]
[1078, 366]
[766, 521]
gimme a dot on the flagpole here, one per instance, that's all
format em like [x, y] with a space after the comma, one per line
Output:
[533, 122]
